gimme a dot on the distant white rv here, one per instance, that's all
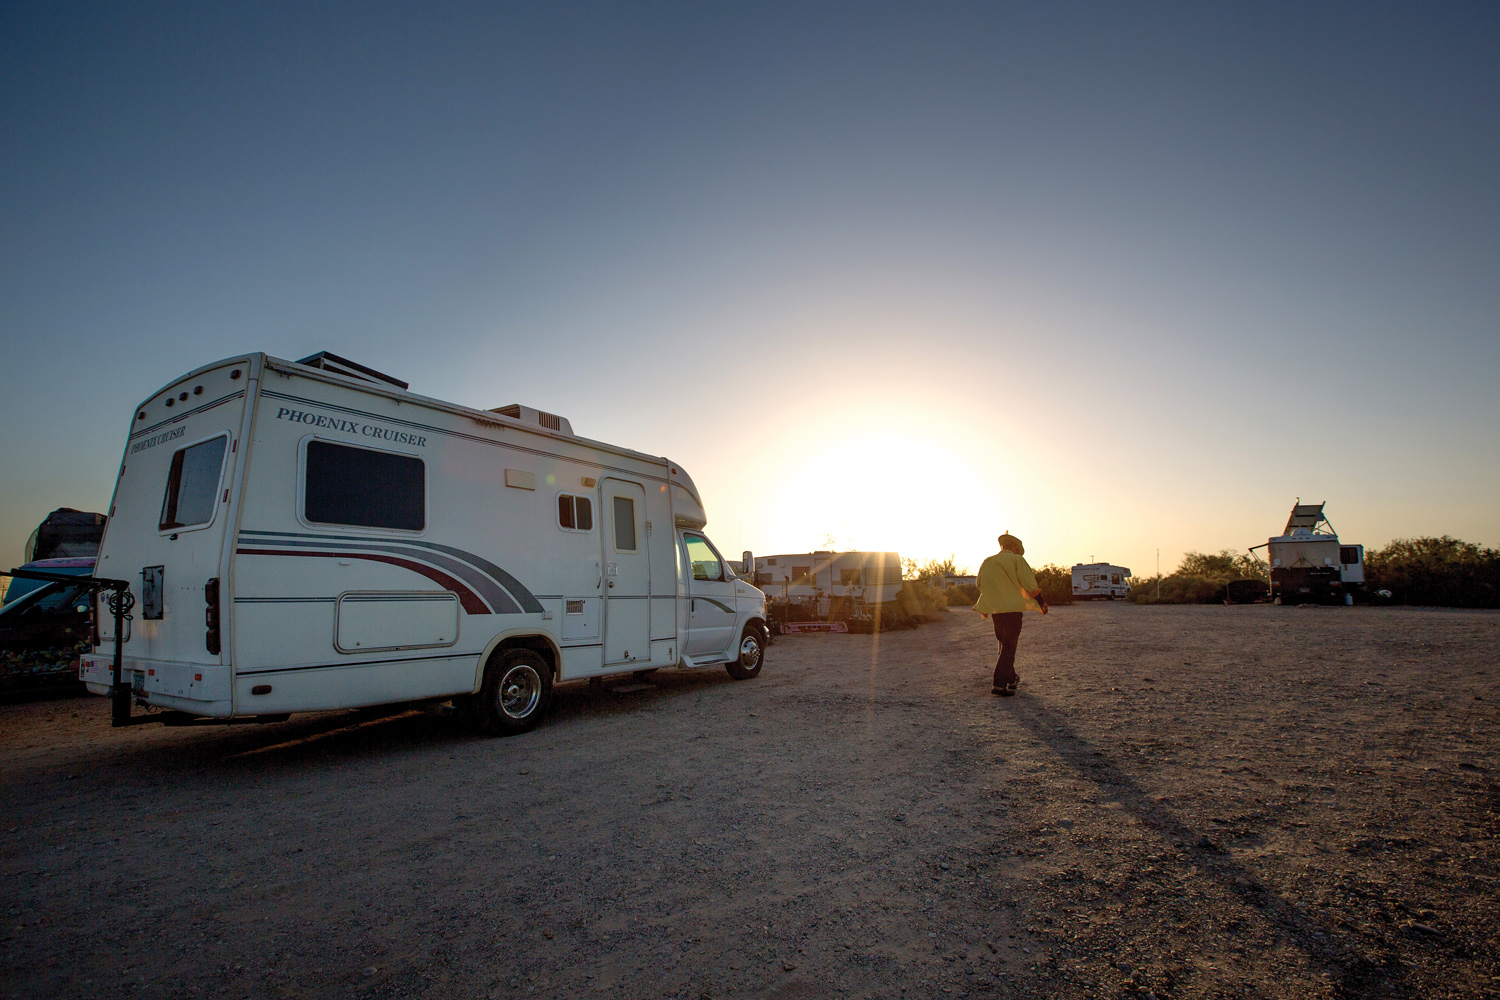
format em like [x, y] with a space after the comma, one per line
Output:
[1100, 581]
[870, 577]
[312, 535]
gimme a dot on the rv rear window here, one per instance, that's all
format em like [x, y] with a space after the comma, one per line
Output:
[364, 488]
[575, 513]
[193, 485]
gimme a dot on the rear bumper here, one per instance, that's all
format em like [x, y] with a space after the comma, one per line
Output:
[202, 689]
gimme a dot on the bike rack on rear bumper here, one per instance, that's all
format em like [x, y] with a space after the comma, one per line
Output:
[121, 600]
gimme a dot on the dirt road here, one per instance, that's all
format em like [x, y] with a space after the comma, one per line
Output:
[1181, 802]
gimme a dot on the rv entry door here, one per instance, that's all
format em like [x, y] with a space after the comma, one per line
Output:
[627, 573]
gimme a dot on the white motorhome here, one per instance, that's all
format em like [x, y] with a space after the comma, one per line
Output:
[1100, 581]
[311, 535]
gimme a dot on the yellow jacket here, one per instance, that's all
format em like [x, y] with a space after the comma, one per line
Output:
[1004, 579]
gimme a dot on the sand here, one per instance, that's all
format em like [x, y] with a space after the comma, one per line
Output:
[1181, 802]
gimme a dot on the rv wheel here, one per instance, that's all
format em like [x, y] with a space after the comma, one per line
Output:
[752, 652]
[516, 690]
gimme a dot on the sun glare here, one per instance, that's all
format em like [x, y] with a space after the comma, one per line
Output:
[880, 491]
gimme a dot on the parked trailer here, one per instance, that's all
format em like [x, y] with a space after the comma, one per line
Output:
[1100, 581]
[312, 535]
[849, 586]
[866, 578]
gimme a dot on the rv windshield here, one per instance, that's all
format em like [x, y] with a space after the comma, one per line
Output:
[193, 485]
[48, 598]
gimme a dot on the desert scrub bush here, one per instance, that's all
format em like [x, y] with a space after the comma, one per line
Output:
[962, 595]
[1444, 571]
[932, 571]
[1199, 579]
[1056, 584]
[1177, 589]
[921, 600]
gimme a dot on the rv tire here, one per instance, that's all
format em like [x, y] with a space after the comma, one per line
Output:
[751, 655]
[515, 694]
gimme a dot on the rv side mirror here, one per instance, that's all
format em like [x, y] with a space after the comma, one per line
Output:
[748, 561]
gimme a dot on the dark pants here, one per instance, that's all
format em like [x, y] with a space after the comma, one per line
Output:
[1008, 631]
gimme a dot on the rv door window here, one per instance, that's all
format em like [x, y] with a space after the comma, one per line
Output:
[575, 513]
[193, 485]
[702, 558]
[364, 488]
[624, 524]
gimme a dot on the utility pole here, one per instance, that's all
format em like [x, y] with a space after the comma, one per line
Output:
[1158, 574]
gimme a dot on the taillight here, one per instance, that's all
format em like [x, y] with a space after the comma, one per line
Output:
[211, 615]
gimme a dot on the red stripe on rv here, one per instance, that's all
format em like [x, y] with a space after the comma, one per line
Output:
[471, 601]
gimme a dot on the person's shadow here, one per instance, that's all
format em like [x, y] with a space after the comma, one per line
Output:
[1319, 940]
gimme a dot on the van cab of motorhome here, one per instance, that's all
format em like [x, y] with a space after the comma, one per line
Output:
[312, 535]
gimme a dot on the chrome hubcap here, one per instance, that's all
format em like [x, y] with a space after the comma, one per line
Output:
[749, 651]
[520, 690]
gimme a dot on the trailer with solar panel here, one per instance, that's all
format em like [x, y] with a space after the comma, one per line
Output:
[312, 535]
[1309, 564]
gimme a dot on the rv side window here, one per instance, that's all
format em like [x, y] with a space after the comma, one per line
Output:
[193, 485]
[364, 488]
[575, 513]
[1349, 555]
[624, 524]
[701, 557]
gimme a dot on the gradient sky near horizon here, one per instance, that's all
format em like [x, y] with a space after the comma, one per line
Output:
[1113, 277]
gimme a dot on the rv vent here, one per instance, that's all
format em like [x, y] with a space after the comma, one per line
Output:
[551, 421]
[343, 366]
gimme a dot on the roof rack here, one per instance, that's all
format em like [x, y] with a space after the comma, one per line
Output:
[330, 362]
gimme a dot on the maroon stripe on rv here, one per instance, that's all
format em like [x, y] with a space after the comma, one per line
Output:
[471, 601]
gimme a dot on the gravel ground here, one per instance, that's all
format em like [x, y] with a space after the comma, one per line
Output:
[1181, 802]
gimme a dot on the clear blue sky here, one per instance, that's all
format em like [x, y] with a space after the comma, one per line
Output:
[1115, 277]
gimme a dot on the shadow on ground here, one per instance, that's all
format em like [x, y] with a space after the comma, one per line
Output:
[1359, 978]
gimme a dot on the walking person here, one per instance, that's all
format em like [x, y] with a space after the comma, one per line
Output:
[1007, 589]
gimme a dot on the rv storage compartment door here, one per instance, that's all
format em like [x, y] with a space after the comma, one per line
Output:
[580, 618]
[370, 620]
